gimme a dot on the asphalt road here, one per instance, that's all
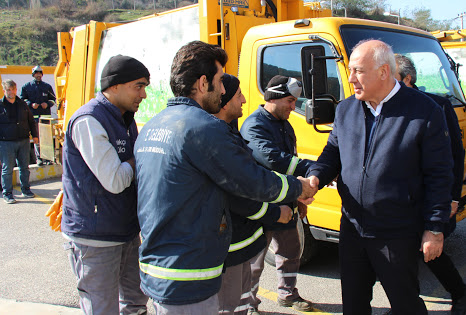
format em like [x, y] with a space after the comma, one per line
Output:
[34, 266]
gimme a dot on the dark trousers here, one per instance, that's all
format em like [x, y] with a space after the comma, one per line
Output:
[393, 261]
[446, 272]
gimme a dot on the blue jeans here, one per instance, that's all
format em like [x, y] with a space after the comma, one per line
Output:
[11, 151]
[108, 278]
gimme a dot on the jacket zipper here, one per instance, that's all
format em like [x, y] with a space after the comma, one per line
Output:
[369, 154]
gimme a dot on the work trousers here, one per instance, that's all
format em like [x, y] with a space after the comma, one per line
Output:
[393, 261]
[447, 274]
[235, 293]
[206, 307]
[108, 278]
[286, 246]
[11, 151]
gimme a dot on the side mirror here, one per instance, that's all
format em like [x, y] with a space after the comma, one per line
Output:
[314, 69]
[320, 111]
[320, 107]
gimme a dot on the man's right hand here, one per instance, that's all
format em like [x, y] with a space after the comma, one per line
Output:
[286, 214]
[35, 105]
[132, 162]
[309, 191]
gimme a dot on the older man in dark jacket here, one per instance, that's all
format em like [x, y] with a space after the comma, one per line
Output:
[391, 151]
[16, 124]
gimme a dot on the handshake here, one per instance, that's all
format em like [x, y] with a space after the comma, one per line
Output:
[310, 187]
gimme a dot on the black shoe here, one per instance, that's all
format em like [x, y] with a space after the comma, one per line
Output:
[298, 304]
[459, 306]
[9, 198]
[40, 162]
[28, 194]
[253, 311]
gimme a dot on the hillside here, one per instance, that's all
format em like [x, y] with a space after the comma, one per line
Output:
[28, 36]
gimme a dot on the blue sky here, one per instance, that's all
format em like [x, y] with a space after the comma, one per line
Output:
[440, 10]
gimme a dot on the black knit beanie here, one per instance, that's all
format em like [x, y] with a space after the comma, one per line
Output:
[280, 86]
[122, 69]
[231, 84]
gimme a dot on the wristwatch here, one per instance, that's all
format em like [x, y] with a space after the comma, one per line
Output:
[435, 232]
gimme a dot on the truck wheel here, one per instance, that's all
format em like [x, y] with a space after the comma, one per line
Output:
[308, 244]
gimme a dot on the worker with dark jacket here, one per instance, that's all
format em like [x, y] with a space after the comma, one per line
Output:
[272, 140]
[391, 151]
[443, 267]
[247, 216]
[40, 97]
[99, 219]
[187, 162]
[16, 125]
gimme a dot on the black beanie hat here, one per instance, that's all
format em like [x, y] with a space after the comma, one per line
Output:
[122, 69]
[280, 86]
[231, 84]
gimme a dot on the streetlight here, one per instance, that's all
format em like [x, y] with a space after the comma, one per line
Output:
[389, 14]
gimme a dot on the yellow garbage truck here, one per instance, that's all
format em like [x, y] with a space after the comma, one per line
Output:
[263, 38]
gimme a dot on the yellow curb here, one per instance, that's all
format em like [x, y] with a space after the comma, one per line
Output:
[270, 295]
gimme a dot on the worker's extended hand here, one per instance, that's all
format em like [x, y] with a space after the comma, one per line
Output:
[431, 245]
[286, 214]
[44, 105]
[35, 140]
[308, 192]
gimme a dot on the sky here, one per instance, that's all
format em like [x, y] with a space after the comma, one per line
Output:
[440, 10]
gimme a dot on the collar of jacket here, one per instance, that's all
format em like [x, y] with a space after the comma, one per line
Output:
[182, 100]
[268, 115]
[127, 117]
[4, 100]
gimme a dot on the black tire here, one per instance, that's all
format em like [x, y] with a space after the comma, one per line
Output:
[309, 246]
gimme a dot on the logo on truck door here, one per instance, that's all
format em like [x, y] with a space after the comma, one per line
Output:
[236, 3]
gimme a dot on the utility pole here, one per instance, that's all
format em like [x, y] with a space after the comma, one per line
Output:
[461, 16]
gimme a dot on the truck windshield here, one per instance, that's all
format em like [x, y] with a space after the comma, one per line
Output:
[434, 73]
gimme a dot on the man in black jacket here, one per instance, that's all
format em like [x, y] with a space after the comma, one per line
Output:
[40, 97]
[443, 267]
[16, 123]
[391, 151]
[272, 140]
[247, 216]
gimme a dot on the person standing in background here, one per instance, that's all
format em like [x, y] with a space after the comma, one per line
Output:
[16, 125]
[442, 267]
[40, 97]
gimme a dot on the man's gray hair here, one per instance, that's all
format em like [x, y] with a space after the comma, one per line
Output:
[382, 54]
[405, 67]
[8, 84]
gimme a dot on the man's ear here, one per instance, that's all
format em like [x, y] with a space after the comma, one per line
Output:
[385, 72]
[203, 84]
[407, 80]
